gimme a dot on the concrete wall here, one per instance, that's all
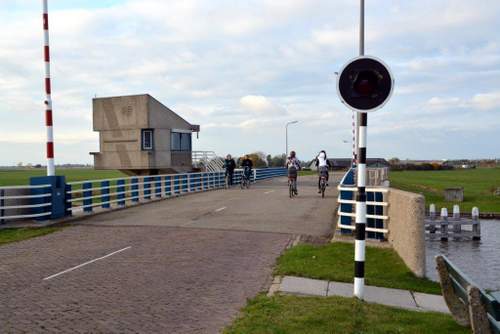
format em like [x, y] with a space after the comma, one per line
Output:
[406, 228]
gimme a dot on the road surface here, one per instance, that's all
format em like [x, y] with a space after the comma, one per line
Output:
[183, 265]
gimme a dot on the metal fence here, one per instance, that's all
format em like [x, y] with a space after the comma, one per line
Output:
[376, 207]
[35, 201]
[25, 202]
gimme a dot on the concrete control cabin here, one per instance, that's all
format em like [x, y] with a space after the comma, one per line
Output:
[140, 136]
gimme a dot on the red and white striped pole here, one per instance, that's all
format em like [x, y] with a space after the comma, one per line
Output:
[51, 170]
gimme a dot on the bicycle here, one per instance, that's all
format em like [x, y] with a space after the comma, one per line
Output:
[322, 185]
[245, 179]
[226, 181]
[292, 187]
[323, 173]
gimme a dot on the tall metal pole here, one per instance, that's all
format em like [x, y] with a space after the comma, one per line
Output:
[51, 171]
[359, 243]
[361, 53]
[286, 135]
[286, 140]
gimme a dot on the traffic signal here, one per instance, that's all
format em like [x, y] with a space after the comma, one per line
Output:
[365, 84]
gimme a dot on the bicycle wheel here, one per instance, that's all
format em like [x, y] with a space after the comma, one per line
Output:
[323, 188]
[290, 189]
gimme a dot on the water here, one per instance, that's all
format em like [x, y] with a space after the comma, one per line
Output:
[479, 260]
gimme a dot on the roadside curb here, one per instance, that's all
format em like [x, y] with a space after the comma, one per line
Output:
[415, 301]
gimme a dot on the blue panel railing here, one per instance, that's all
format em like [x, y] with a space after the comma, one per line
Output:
[376, 202]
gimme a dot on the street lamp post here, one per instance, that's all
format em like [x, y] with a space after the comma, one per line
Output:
[286, 135]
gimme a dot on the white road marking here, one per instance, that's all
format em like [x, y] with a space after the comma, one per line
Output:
[88, 262]
[220, 209]
[268, 192]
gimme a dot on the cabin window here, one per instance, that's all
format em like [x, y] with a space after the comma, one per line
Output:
[180, 141]
[147, 139]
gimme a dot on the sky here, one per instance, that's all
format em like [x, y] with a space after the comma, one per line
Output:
[242, 69]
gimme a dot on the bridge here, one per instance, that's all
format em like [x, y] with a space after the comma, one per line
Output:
[185, 264]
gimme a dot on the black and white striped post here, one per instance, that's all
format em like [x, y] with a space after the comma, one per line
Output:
[359, 243]
[364, 84]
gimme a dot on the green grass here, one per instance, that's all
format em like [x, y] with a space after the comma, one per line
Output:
[335, 262]
[13, 235]
[291, 314]
[9, 177]
[479, 185]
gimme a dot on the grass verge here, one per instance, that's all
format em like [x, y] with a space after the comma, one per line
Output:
[18, 234]
[9, 177]
[479, 186]
[292, 314]
[335, 262]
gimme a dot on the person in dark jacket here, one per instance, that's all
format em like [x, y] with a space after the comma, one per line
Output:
[229, 166]
[247, 166]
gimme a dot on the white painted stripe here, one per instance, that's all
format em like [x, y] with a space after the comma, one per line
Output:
[220, 209]
[47, 69]
[88, 262]
[50, 134]
[362, 136]
[268, 192]
[359, 251]
[359, 285]
[361, 175]
[360, 212]
[51, 168]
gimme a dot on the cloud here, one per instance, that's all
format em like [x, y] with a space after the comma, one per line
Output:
[486, 101]
[260, 105]
[247, 66]
[479, 101]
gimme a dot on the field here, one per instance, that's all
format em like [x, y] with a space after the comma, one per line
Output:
[479, 186]
[9, 177]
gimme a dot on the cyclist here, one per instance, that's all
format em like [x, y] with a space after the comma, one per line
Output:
[247, 166]
[293, 166]
[229, 166]
[323, 165]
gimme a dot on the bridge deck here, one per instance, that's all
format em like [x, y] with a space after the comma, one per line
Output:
[179, 266]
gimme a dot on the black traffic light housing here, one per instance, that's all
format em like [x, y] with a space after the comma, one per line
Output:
[365, 84]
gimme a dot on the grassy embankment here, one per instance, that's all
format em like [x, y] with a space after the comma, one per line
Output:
[13, 235]
[292, 314]
[334, 262]
[479, 186]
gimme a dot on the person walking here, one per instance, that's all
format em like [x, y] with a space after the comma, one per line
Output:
[229, 166]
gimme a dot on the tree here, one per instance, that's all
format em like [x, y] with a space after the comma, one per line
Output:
[394, 161]
[278, 160]
[258, 159]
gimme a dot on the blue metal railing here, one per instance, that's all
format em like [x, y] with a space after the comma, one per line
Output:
[376, 202]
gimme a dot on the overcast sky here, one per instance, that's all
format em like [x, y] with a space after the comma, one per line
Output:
[242, 69]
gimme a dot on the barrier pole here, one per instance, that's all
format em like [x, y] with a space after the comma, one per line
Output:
[51, 170]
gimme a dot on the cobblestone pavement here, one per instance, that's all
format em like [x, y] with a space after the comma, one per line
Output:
[173, 278]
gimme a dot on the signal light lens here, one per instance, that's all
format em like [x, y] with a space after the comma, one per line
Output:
[365, 83]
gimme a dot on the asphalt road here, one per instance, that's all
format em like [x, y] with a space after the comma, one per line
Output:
[184, 265]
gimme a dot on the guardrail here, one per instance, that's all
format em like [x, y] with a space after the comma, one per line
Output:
[25, 202]
[52, 197]
[376, 208]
